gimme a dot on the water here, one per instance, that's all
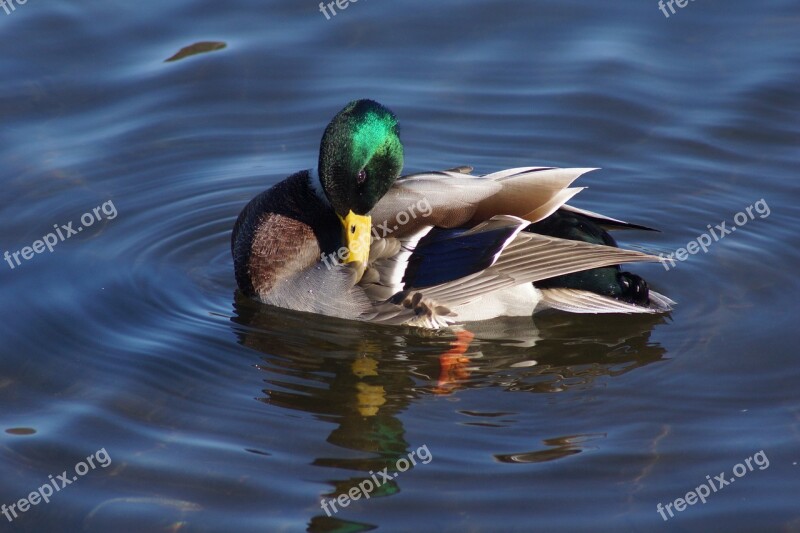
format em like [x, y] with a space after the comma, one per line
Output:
[219, 415]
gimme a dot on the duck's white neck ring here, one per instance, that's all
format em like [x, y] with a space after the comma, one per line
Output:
[316, 185]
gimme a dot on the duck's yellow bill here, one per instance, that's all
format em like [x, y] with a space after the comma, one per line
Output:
[357, 230]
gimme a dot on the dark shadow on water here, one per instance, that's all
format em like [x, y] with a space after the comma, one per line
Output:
[557, 448]
[360, 377]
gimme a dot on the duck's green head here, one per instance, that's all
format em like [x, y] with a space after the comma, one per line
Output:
[360, 157]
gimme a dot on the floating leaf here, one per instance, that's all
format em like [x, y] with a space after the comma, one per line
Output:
[197, 48]
[20, 431]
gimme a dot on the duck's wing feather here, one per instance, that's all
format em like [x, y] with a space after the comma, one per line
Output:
[446, 254]
[450, 199]
[578, 301]
[531, 193]
[460, 170]
[440, 199]
[530, 258]
[604, 221]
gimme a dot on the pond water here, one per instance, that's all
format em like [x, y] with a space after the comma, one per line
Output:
[155, 398]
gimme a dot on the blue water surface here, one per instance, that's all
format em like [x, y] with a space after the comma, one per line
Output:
[128, 341]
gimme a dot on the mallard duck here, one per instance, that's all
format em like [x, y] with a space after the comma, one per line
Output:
[351, 238]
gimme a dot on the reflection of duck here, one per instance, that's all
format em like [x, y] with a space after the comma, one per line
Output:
[375, 366]
[361, 378]
[451, 246]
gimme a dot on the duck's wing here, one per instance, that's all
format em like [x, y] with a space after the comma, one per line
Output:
[456, 237]
[452, 199]
[438, 270]
[528, 258]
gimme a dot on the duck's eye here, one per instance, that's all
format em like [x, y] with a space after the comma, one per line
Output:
[353, 230]
[362, 177]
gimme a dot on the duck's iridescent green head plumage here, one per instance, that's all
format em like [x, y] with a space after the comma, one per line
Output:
[360, 157]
